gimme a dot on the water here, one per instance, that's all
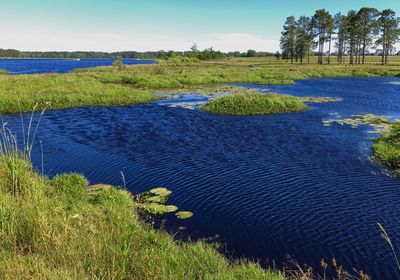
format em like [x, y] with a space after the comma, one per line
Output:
[270, 186]
[34, 66]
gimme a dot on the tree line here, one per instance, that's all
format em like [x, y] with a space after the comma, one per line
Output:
[351, 34]
[206, 54]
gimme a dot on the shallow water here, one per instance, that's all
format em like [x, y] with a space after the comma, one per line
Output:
[38, 66]
[270, 186]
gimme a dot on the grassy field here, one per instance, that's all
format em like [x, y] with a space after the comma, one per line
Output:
[254, 104]
[108, 86]
[59, 229]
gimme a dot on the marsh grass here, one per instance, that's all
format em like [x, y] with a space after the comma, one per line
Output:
[14, 157]
[254, 104]
[327, 271]
[386, 149]
[112, 86]
[57, 91]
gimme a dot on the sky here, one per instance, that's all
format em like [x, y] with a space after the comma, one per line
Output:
[117, 25]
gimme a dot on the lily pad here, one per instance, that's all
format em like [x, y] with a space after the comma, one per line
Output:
[184, 215]
[157, 209]
[161, 191]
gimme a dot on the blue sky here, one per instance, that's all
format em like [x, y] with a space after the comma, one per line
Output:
[111, 25]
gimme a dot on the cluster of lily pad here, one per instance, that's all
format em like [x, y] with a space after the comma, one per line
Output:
[154, 202]
[379, 123]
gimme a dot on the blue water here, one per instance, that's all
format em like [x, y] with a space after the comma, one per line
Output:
[271, 187]
[35, 66]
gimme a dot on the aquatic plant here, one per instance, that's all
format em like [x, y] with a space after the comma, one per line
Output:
[184, 214]
[254, 104]
[153, 202]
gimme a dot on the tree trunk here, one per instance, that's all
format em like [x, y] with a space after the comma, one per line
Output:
[321, 50]
[329, 51]
[363, 51]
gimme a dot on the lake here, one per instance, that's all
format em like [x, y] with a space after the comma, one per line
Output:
[271, 187]
[38, 66]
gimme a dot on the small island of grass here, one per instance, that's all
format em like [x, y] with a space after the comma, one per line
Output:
[386, 149]
[255, 104]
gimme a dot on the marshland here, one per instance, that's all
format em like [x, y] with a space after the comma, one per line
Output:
[206, 164]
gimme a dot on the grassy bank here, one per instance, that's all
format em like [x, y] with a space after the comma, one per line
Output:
[57, 91]
[386, 149]
[254, 104]
[58, 229]
[109, 86]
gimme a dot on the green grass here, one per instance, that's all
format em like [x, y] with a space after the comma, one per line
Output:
[2, 71]
[58, 91]
[254, 104]
[386, 149]
[110, 86]
[57, 229]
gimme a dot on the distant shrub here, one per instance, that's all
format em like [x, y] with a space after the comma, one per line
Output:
[119, 63]
[182, 59]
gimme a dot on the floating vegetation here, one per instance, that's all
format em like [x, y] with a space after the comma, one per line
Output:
[188, 105]
[157, 208]
[161, 192]
[184, 215]
[214, 90]
[380, 124]
[386, 149]
[153, 203]
[320, 99]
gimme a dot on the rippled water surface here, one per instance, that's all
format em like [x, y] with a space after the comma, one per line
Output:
[34, 66]
[270, 186]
